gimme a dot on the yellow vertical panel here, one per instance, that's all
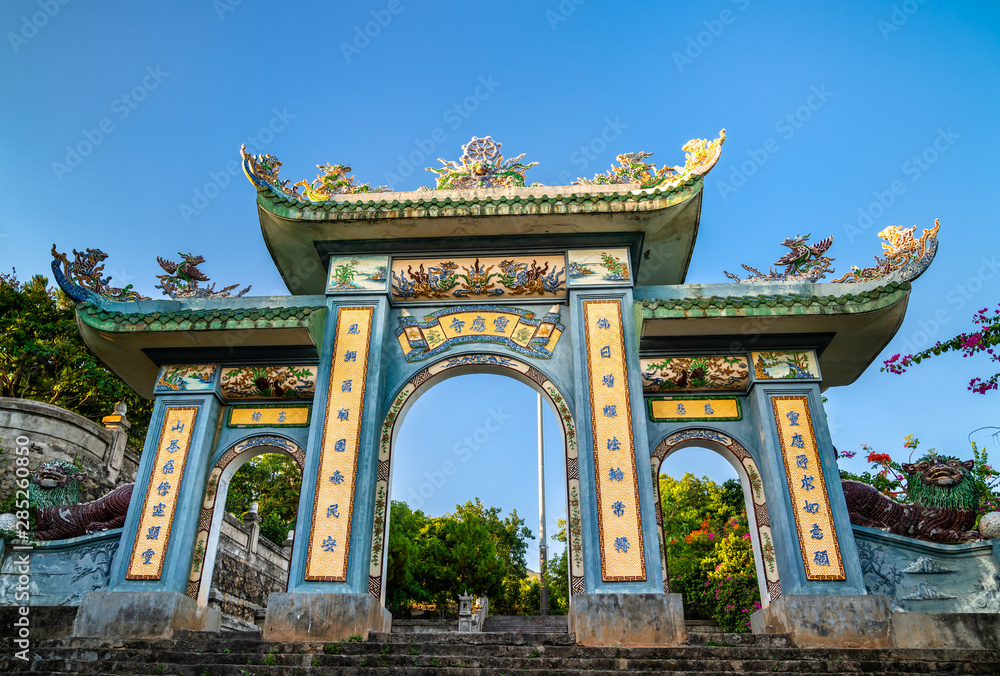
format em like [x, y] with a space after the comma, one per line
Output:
[810, 504]
[160, 505]
[330, 534]
[619, 521]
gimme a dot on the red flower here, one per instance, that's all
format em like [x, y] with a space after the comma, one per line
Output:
[879, 458]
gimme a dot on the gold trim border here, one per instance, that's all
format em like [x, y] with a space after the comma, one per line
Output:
[622, 392]
[185, 449]
[368, 313]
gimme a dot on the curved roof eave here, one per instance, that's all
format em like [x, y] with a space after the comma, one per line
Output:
[134, 338]
[850, 329]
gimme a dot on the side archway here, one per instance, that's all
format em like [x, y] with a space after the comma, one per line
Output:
[212, 509]
[753, 491]
[404, 399]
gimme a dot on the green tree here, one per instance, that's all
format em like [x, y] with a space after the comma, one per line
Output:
[433, 559]
[709, 553]
[510, 537]
[557, 575]
[43, 357]
[273, 481]
[404, 565]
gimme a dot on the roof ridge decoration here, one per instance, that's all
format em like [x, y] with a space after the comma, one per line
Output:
[804, 263]
[699, 158]
[81, 279]
[262, 170]
[181, 280]
[482, 166]
[903, 253]
[772, 303]
[906, 258]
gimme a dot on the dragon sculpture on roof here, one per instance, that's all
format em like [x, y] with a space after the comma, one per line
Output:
[181, 280]
[803, 263]
[83, 276]
[700, 155]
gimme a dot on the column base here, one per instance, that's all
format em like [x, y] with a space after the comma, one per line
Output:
[628, 619]
[817, 620]
[304, 616]
[141, 614]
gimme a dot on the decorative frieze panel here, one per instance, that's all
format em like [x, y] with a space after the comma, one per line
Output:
[810, 504]
[617, 484]
[599, 267]
[186, 378]
[478, 278]
[792, 365]
[511, 327]
[677, 409]
[269, 382]
[157, 519]
[358, 273]
[330, 534]
[710, 373]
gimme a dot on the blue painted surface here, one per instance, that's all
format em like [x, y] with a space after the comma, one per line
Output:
[361, 517]
[180, 548]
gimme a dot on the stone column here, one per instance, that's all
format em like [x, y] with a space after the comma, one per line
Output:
[824, 600]
[624, 603]
[327, 597]
[119, 426]
[149, 573]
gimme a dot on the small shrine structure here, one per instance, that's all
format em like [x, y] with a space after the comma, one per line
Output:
[577, 291]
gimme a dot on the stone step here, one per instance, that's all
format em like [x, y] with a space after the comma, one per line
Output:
[543, 659]
[485, 654]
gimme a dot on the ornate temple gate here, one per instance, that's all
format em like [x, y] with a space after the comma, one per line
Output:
[578, 294]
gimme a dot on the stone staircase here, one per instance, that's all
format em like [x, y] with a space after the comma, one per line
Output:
[526, 624]
[491, 654]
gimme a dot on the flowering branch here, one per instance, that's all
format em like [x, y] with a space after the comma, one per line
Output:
[983, 340]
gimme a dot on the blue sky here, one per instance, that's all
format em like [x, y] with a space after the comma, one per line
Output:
[827, 106]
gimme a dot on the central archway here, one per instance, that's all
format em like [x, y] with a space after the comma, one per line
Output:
[407, 396]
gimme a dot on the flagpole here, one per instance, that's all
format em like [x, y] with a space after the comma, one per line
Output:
[542, 546]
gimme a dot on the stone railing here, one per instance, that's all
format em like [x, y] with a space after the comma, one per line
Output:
[54, 433]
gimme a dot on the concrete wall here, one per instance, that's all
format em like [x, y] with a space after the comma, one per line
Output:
[57, 434]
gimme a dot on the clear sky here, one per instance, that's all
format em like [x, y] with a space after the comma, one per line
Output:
[122, 122]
